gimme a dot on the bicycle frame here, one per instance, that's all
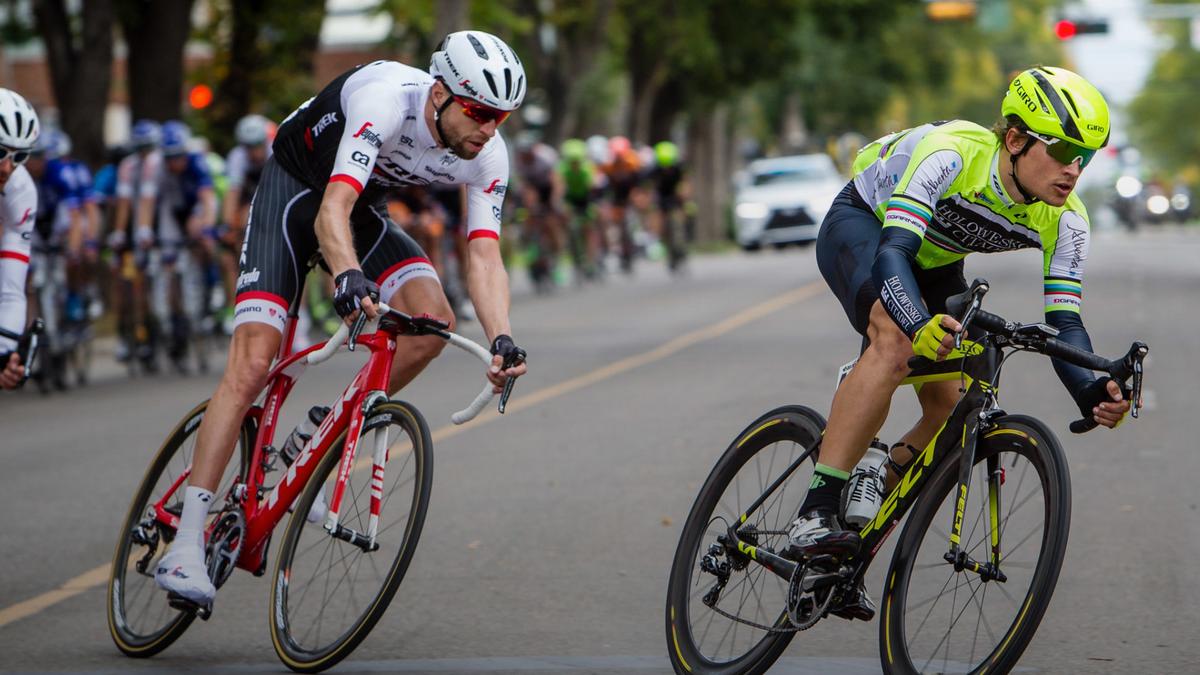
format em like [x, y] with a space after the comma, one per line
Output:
[264, 514]
[969, 418]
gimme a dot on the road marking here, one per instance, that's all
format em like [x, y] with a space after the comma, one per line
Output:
[99, 575]
[72, 587]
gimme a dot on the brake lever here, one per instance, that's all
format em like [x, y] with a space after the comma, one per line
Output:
[1137, 356]
[356, 328]
[514, 359]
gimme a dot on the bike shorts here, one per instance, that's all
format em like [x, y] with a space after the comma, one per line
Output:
[280, 246]
[846, 246]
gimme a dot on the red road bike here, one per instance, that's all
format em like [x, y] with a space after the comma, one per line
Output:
[333, 578]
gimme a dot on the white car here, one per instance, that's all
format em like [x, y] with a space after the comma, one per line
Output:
[782, 200]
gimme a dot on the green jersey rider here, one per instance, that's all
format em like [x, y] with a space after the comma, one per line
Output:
[892, 246]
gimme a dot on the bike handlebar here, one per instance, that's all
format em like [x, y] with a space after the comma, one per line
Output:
[344, 334]
[1041, 338]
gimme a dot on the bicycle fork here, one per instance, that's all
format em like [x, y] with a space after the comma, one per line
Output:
[956, 556]
[360, 423]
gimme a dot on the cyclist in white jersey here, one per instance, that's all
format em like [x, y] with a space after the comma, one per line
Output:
[19, 130]
[380, 126]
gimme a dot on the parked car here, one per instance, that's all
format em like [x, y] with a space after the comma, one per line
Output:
[782, 200]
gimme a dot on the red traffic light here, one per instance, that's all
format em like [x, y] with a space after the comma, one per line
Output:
[1065, 30]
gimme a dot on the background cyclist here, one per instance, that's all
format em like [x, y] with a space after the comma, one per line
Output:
[18, 206]
[377, 127]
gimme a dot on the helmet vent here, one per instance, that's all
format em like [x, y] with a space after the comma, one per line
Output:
[487, 74]
[478, 46]
[4, 125]
[1042, 100]
[508, 83]
[520, 91]
[20, 123]
[1071, 102]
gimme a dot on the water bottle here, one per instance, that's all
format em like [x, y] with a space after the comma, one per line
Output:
[302, 433]
[864, 491]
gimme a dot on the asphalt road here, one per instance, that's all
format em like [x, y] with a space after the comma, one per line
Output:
[551, 531]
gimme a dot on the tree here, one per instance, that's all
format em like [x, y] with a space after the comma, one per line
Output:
[156, 32]
[1161, 112]
[79, 50]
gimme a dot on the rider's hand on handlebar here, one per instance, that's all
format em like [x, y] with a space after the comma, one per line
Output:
[1104, 402]
[935, 340]
[351, 291]
[505, 353]
[12, 373]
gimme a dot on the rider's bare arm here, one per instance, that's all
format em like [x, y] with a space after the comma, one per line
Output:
[333, 227]
[487, 283]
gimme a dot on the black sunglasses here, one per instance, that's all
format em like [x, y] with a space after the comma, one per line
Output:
[18, 156]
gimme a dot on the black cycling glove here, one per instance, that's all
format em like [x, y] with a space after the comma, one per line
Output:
[1093, 395]
[503, 347]
[349, 288]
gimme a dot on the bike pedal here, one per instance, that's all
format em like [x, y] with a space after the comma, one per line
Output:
[182, 604]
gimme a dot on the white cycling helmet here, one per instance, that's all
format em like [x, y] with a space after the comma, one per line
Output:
[19, 126]
[252, 130]
[479, 66]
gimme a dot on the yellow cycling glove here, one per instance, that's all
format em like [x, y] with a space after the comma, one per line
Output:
[928, 338]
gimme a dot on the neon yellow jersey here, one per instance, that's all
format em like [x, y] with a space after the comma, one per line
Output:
[941, 181]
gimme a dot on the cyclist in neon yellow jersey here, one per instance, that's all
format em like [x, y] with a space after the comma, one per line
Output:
[892, 247]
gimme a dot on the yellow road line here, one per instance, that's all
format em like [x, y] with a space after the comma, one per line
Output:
[99, 575]
[72, 587]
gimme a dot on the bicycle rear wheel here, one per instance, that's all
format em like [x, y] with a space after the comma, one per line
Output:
[939, 620]
[140, 620]
[329, 593]
[702, 637]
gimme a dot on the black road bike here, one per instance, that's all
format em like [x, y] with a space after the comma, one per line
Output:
[976, 563]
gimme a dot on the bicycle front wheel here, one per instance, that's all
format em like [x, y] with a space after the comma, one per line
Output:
[740, 625]
[139, 619]
[328, 592]
[943, 621]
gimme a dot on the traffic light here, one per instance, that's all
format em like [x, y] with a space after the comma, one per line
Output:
[1065, 29]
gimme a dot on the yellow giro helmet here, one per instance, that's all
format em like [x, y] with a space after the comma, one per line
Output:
[1059, 103]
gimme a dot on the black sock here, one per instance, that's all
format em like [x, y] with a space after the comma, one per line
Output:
[825, 491]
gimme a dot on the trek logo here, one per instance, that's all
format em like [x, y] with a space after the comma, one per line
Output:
[325, 121]
[369, 136]
[315, 442]
[360, 158]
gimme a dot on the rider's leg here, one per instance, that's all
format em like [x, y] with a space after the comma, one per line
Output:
[422, 295]
[181, 570]
[937, 401]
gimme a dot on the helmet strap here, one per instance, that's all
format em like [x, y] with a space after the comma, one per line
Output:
[437, 119]
[1029, 198]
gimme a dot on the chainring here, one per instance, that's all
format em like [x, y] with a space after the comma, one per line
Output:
[224, 546]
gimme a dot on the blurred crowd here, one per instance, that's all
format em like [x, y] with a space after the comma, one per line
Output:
[147, 248]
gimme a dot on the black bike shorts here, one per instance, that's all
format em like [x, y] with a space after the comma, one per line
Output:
[846, 247]
[280, 247]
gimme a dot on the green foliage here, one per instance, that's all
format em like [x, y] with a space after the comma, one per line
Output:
[1161, 114]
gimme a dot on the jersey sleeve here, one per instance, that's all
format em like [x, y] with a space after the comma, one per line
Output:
[235, 167]
[17, 214]
[199, 169]
[485, 194]
[372, 114]
[924, 182]
[1064, 257]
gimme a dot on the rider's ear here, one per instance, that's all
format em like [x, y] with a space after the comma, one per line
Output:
[1014, 140]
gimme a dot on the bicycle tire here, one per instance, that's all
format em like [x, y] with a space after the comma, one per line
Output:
[1014, 437]
[690, 652]
[291, 639]
[129, 637]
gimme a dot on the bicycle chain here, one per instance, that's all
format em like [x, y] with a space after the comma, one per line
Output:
[769, 629]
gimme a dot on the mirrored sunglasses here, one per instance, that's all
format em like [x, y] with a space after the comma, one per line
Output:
[481, 113]
[18, 156]
[1064, 151]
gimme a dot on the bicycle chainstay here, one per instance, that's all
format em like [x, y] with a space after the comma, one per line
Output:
[793, 628]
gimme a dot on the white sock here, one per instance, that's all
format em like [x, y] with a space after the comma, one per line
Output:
[191, 522]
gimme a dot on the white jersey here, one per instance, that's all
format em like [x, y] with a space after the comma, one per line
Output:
[139, 176]
[367, 129]
[237, 164]
[18, 210]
